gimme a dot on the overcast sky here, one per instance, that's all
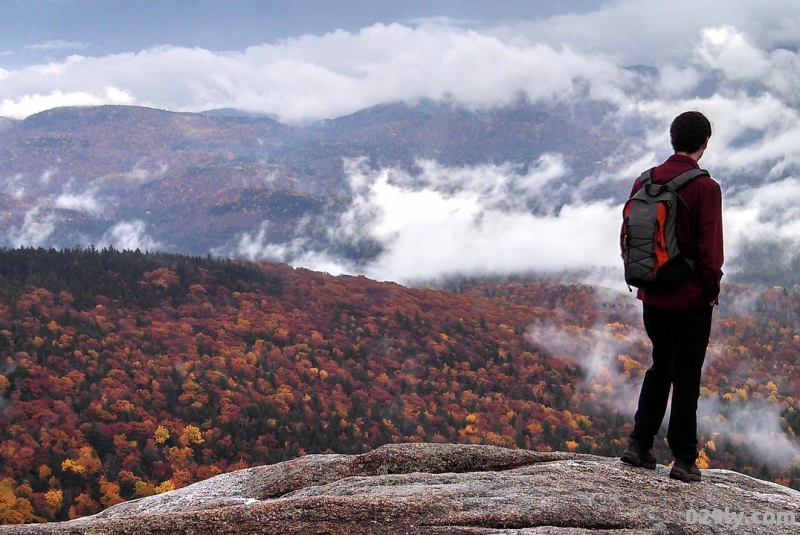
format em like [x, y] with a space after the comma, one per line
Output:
[297, 58]
[735, 60]
[35, 30]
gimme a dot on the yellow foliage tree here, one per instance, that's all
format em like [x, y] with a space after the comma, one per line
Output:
[179, 457]
[86, 462]
[54, 499]
[144, 489]
[13, 509]
[166, 486]
[702, 460]
[162, 434]
[191, 435]
[71, 466]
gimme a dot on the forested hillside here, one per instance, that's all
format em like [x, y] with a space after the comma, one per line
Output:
[124, 374]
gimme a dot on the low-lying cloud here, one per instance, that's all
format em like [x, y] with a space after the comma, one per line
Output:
[36, 228]
[474, 220]
[603, 353]
[608, 355]
[28, 104]
[43, 213]
[447, 221]
[130, 235]
[492, 219]
[85, 202]
[753, 425]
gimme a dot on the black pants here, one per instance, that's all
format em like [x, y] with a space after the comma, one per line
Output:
[680, 339]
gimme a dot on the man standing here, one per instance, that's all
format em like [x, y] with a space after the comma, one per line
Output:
[678, 322]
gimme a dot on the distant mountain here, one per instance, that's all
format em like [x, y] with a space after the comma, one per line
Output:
[95, 167]
[195, 181]
[233, 112]
[396, 134]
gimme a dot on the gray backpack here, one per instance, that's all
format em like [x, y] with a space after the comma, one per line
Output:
[650, 250]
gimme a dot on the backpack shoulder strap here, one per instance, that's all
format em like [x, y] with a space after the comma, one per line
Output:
[684, 178]
[681, 180]
[646, 184]
[646, 178]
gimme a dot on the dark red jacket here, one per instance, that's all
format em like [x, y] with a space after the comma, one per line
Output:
[700, 229]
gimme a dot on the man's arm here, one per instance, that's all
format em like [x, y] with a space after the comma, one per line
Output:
[709, 241]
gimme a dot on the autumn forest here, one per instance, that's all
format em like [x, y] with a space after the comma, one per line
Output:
[125, 374]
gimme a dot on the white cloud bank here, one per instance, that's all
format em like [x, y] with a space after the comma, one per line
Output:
[315, 77]
[130, 235]
[655, 33]
[448, 221]
[474, 220]
[85, 202]
[34, 231]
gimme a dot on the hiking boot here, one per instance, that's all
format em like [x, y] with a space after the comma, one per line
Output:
[637, 455]
[685, 471]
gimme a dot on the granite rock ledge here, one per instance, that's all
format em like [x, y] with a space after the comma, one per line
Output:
[441, 489]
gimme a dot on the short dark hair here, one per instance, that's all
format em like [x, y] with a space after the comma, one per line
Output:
[689, 131]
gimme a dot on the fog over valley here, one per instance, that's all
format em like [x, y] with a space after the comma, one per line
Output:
[429, 214]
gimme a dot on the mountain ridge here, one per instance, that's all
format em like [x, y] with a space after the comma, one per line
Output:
[195, 183]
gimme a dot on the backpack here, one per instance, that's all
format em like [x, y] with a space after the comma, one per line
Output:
[650, 249]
